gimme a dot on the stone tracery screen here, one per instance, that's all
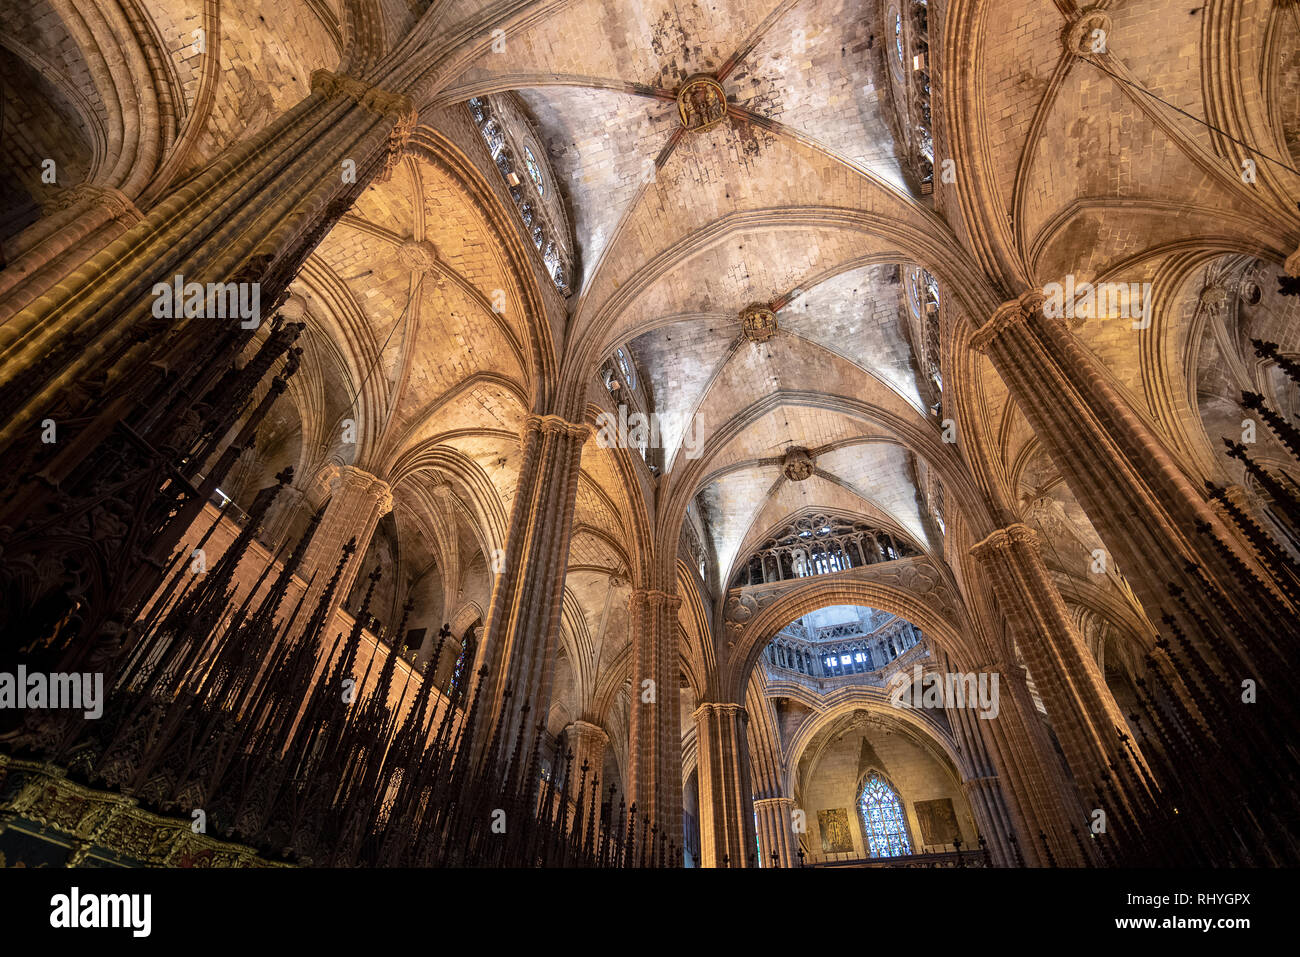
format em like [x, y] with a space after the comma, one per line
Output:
[820, 545]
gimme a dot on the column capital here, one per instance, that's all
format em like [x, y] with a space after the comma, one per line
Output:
[349, 476]
[555, 423]
[376, 99]
[117, 203]
[1292, 265]
[1003, 539]
[1005, 316]
[729, 708]
[669, 601]
[588, 730]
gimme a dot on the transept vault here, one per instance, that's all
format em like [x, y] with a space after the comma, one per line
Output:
[617, 414]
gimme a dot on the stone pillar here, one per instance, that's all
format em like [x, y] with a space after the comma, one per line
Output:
[443, 518]
[588, 741]
[279, 518]
[726, 800]
[252, 215]
[1084, 714]
[523, 625]
[993, 814]
[776, 831]
[655, 753]
[77, 221]
[357, 503]
[1139, 500]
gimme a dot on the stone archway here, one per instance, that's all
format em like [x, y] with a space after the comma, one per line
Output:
[911, 588]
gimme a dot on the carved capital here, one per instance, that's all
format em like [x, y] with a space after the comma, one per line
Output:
[656, 599]
[117, 204]
[349, 476]
[780, 803]
[587, 731]
[1004, 317]
[1003, 539]
[556, 424]
[727, 708]
[376, 99]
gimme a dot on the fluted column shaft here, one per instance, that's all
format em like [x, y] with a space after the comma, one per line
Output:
[776, 831]
[588, 741]
[79, 221]
[994, 814]
[523, 625]
[1084, 714]
[655, 753]
[726, 797]
[280, 516]
[1040, 797]
[1139, 500]
[357, 503]
[252, 215]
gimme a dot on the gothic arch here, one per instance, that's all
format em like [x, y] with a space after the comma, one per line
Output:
[746, 639]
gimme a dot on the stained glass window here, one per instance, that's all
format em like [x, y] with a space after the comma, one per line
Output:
[625, 367]
[882, 819]
[898, 35]
[506, 156]
[534, 169]
[551, 257]
[457, 689]
[496, 139]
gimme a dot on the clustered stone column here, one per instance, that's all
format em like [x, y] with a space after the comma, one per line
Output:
[357, 503]
[524, 621]
[279, 518]
[1140, 501]
[252, 215]
[655, 756]
[1041, 802]
[993, 814]
[76, 221]
[1084, 714]
[776, 831]
[587, 741]
[726, 798]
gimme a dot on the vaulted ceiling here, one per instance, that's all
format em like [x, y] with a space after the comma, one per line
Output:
[1126, 165]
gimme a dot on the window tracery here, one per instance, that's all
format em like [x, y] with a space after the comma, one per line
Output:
[819, 545]
[497, 126]
[625, 367]
[534, 170]
[909, 69]
[858, 652]
[883, 824]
